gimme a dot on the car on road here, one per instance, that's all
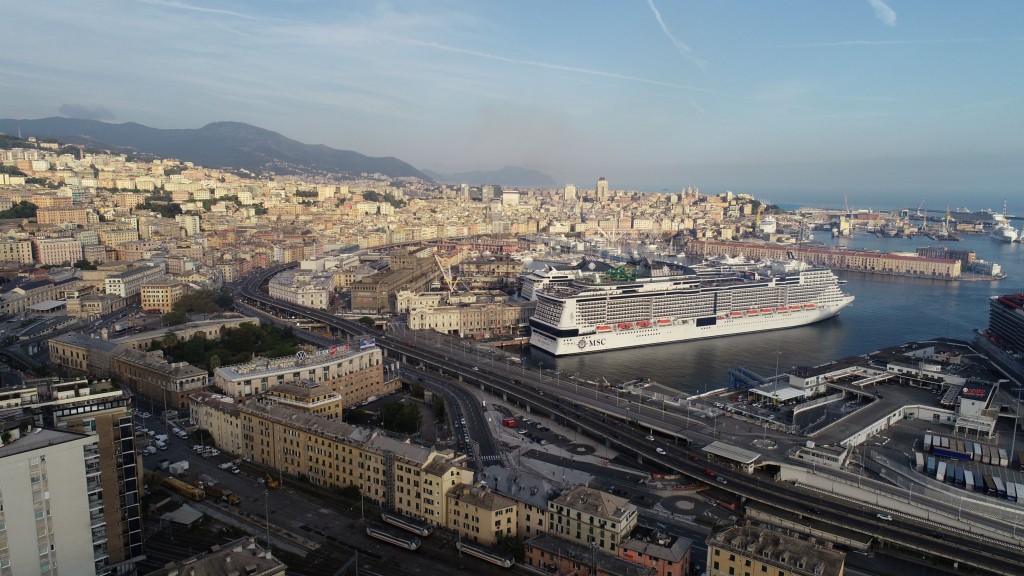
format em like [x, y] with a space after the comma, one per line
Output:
[721, 480]
[694, 457]
[887, 517]
[659, 450]
[235, 470]
[649, 438]
[226, 466]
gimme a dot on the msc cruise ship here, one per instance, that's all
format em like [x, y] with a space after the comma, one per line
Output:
[625, 307]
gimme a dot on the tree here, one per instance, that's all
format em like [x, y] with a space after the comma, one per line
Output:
[439, 410]
[366, 321]
[401, 417]
[23, 209]
[174, 318]
[84, 265]
[417, 390]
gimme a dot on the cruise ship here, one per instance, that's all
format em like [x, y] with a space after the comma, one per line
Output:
[625, 307]
[1004, 232]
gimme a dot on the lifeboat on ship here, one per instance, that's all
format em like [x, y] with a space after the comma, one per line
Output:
[643, 324]
[767, 310]
[624, 325]
[782, 309]
[753, 312]
[664, 321]
[736, 314]
[794, 308]
[810, 306]
[603, 328]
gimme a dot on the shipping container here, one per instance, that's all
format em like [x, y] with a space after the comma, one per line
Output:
[968, 480]
[931, 465]
[1004, 459]
[1011, 491]
[940, 472]
[1000, 487]
[979, 482]
[950, 473]
[955, 452]
[927, 442]
[919, 457]
[977, 452]
[958, 477]
[990, 486]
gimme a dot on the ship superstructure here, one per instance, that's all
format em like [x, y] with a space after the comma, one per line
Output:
[626, 307]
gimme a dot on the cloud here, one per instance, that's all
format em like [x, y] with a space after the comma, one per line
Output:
[85, 112]
[193, 8]
[560, 67]
[685, 50]
[884, 14]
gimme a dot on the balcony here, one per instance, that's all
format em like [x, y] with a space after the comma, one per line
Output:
[95, 503]
[96, 520]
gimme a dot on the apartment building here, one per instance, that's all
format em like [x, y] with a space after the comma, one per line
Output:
[102, 411]
[54, 251]
[128, 283]
[590, 516]
[160, 294]
[22, 293]
[356, 373]
[479, 515]
[58, 215]
[401, 476]
[742, 550]
[309, 397]
[19, 251]
[49, 521]
[312, 291]
[552, 555]
[149, 374]
[669, 555]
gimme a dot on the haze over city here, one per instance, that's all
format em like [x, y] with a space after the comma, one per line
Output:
[792, 101]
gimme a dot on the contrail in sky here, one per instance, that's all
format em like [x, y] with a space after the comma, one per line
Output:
[685, 50]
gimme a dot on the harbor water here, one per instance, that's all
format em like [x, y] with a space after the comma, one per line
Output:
[889, 310]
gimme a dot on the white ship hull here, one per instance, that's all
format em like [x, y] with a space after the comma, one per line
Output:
[683, 330]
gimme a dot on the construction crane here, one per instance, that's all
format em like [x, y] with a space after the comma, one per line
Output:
[921, 205]
[448, 279]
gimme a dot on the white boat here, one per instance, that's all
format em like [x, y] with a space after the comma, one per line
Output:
[674, 304]
[1004, 232]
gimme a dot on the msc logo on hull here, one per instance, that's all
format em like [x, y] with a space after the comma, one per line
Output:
[584, 343]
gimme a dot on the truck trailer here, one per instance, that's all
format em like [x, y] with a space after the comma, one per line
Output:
[185, 489]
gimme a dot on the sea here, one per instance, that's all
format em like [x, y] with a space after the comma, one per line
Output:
[888, 310]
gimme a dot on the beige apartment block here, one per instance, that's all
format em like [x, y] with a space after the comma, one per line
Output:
[588, 516]
[149, 374]
[160, 294]
[19, 251]
[401, 476]
[479, 515]
[58, 215]
[752, 550]
[52, 251]
[353, 373]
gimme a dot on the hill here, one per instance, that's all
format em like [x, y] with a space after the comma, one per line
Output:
[508, 177]
[228, 145]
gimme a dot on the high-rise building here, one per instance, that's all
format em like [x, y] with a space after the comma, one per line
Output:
[103, 412]
[569, 193]
[602, 189]
[51, 505]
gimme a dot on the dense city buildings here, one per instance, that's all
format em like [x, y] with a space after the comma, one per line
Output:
[753, 550]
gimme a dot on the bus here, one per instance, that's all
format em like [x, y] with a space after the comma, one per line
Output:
[396, 537]
[408, 524]
[483, 553]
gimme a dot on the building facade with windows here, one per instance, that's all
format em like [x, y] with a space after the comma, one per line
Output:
[754, 551]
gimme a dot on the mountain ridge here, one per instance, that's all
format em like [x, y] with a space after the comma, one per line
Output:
[509, 176]
[223, 144]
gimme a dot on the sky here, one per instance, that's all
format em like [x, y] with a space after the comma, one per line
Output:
[862, 101]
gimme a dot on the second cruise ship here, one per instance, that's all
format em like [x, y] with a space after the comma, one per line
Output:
[625, 307]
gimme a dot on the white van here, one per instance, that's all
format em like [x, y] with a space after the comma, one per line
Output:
[161, 445]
